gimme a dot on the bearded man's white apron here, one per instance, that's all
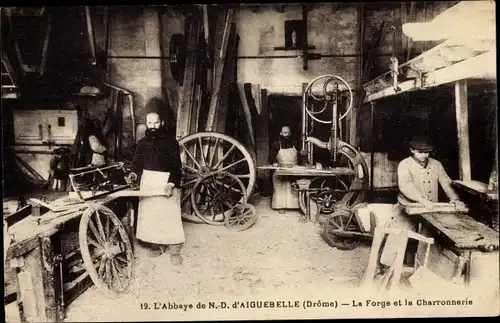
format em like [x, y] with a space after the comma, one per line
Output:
[284, 196]
[159, 217]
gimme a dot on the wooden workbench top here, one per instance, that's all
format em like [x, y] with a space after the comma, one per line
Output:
[462, 230]
[309, 171]
[27, 229]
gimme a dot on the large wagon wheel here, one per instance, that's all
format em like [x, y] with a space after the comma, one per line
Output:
[207, 152]
[215, 195]
[106, 250]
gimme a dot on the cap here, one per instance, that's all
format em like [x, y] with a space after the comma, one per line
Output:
[421, 143]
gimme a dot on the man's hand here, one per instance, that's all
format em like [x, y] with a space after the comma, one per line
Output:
[427, 204]
[458, 204]
[169, 190]
[275, 164]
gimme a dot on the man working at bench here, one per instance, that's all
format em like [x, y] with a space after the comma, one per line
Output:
[283, 154]
[419, 177]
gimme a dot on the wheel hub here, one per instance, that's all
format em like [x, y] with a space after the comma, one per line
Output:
[204, 170]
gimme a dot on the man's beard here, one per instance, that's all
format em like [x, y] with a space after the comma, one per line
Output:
[152, 133]
[287, 138]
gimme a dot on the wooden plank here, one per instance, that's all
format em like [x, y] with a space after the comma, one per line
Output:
[187, 92]
[404, 19]
[219, 63]
[195, 110]
[417, 208]
[13, 218]
[262, 133]
[482, 67]
[17, 249]
[30, 277]
[208, 47]
[52, 303]
[304, 171]
[261, 125]
[28, 297]
[10, 281]
[46, 44]
[227, 82]
[247, 112]
[52, 208]
[462, 114]
[461, 230]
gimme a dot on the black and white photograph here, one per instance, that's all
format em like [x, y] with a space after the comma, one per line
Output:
[250, 161]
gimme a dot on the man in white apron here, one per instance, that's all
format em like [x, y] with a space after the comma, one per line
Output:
[157, 162]
[419, 177]
[283, 154]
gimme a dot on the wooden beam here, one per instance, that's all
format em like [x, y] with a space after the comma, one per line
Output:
[228, 81]
[261, 125]
[187, 93]
[247, 112]
[219, 62]
[196, 108]
[13, 218]
[208, 47]
[462, 113]
[480, 67]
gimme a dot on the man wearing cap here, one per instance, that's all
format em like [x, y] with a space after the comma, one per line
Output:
[419, 177]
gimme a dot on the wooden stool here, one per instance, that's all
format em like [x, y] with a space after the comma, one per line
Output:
[391, 277]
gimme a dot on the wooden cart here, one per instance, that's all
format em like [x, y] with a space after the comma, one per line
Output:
[48, 275]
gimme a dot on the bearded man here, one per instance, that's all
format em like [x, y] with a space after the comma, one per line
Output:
[157, 164]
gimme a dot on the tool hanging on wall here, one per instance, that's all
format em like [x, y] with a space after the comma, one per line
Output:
[177, 57]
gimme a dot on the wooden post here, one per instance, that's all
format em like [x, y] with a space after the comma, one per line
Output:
[261, 133]
[247, 112]
[219, 62]
[462, 113]
[52, 304]
[186, 97]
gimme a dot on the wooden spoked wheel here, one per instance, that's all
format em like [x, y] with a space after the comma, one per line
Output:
[215, 195]
[242, 217]
[203, 153]
[327, 184]
[106, 250]
[341, 220]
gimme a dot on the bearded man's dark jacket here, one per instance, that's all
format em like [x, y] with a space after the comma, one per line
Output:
[159, 152]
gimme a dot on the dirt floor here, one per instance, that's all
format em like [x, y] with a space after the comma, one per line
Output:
[278, 258]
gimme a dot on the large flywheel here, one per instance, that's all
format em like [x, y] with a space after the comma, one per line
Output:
[205, 153]
[339, 191]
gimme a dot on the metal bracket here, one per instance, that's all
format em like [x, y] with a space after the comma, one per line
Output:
[395, 73]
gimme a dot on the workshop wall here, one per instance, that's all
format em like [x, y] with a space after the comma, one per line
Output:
[332, 29]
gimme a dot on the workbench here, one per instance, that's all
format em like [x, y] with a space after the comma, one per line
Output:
[42, 272]
[463, 242]
[303, 171]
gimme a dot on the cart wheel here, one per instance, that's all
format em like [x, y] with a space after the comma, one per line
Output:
[203, 153]
[341, 220]
[106, 250]
[242, 217]
[215, 195]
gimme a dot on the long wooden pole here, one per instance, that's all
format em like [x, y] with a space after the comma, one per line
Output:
[462, 113]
